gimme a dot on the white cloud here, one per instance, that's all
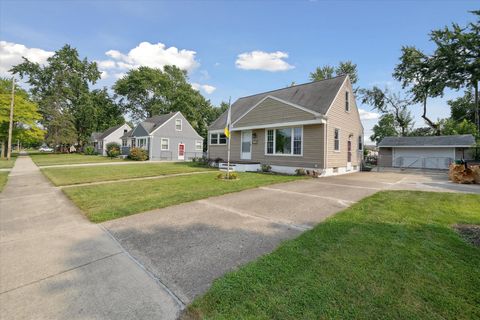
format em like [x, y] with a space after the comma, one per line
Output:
[260, 60]
[204, 87]
[11, 54]
[367, 115]
[152, 55]
[106, 64]
[104, 75]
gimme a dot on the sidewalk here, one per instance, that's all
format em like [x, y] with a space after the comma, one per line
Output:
[54, 264]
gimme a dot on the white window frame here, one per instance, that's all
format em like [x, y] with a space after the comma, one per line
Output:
[178, 122]
[360, 143]
[198, 143]
[133, 143]
[347, 101]
[339, 134]
[124, 142]
[161, 144]
[291, 154]
[218, 138]
[143, 139]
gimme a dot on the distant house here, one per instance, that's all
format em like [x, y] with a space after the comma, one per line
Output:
[312, 126]
[165, 137]
[99, 140]
[430, 152]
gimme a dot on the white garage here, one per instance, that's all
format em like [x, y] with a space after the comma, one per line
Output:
[436, 152]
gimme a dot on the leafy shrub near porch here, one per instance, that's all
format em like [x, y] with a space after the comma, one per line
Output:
[300, 172]
[113, 149]
[266, 168]
[138, 154]
[89, 151]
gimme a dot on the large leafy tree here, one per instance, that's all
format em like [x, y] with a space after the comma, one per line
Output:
[463, 107]
[394, 104]
[145, 92]
[26, 117]
[61, 88]
[457, 57]
[344, 68]
[384, 128]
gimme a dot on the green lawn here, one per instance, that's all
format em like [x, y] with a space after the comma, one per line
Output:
[3, 179]
[50, 159]
[4, 163]
[115, 200]
[74, 175]
[393, 255]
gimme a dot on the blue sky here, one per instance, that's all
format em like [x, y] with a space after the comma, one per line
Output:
[213, 34]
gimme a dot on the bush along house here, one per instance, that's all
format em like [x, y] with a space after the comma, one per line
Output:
[313, 126]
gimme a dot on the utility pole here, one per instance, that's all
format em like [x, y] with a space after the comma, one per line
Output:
[10, 126]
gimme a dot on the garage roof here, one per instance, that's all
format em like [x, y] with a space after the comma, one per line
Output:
[464, 140]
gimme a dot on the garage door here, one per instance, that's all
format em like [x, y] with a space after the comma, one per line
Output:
[428, 158]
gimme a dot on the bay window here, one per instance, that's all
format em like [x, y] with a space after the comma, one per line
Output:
[284, 141]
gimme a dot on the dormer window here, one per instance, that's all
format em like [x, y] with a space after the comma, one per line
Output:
[347, 101]
[178, 124]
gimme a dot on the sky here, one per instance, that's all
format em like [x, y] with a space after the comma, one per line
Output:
[232, 49]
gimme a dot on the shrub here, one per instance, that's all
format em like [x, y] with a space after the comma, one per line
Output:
[266, 168]
[138, 154]
[300, 172]
[89, 151]
[231, 176]
[201, 161]
[113, 149]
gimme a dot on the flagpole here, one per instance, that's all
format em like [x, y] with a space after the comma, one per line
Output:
[228, 142]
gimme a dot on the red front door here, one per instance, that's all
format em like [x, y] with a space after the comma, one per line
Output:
[181, 151]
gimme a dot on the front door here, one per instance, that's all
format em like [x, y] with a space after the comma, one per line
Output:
[246, 152]
[349, 155]
[181, 151]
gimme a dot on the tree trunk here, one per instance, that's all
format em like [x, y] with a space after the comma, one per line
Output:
[2, 152]
[427, 120]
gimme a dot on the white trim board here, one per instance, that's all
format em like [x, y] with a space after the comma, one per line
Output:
[280, 124]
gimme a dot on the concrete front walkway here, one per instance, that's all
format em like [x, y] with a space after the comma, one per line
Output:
[54, 264]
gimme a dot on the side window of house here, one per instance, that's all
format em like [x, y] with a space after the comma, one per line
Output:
[198, 145]
[347, 101]
[336, 139]
[164, 144]
[178, 124]
[360, 143]
[214, 138]
[222, 139]
[218, 138]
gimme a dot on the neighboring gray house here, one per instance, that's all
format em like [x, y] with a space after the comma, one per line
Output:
[431, 152]
[313, 126]
[99, 140]
[166, 137]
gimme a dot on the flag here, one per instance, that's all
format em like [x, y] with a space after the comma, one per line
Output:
[228, 124]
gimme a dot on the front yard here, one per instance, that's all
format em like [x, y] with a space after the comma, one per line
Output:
[5, 164]
[75, 175]
[115, 200]
[3, 179]
[394, 255]
[50, 159]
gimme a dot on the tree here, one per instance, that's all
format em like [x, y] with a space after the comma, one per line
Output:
[61, 87]
[463, 107]
[145, 92]
[26, 128]
[108, 113]
[390, 103]
[327, 72]
[457, 58]
[384, 128]
[422, 132]
[416, 71]
[452, 127]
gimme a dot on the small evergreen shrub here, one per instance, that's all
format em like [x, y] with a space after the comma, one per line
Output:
[300, 172]
[89, 151]
[113, 149]
[138, 154]
[266, 168]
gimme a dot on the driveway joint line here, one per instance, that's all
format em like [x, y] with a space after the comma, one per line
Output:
[157, 280]
[61, 272]
[244, 214]
[342, 202]
[344, 185]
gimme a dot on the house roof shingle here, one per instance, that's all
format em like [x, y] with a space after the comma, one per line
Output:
[107, 132]
[154, 122]
[316, 96]
[429, 141]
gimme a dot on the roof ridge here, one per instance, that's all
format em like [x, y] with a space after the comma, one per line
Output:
[296, 85]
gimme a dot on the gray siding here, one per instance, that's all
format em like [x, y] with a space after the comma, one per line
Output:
[272, 111]
[385, 157]
[187, 136]
[312, 149]
[139, 131]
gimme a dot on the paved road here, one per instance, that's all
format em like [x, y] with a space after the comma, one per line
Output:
[54, 264]
[189, 245]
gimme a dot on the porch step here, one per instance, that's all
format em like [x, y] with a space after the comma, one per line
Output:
[224, 167]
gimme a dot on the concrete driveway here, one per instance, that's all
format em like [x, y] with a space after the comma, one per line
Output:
[54, 264]
[188, 246]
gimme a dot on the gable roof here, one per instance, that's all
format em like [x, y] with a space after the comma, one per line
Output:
[95, 135]
[152, 123]
[315, 96]
[127, 134]
[464, 140]
[108, 132]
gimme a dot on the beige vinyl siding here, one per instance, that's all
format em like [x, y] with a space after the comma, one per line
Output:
[272, 111]
[312, 149]
[349, 124]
